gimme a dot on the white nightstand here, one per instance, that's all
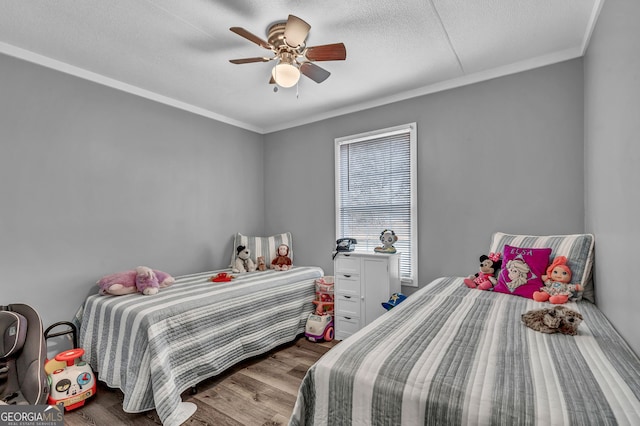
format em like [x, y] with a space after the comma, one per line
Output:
[362, 282]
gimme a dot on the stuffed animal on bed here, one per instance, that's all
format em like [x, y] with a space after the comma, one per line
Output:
[142, 279]
[243, 262]
[282, 262]
[558, 319]
[484, 279]
[262, 264]
[557, 288]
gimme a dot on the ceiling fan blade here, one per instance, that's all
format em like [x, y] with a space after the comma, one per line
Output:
[296, 31]
[249, 60]
[251, 37]
[327, 52]
[314, 72]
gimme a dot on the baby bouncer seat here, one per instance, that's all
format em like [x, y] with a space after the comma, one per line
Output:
[23, 380]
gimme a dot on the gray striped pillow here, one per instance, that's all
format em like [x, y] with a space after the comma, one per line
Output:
[577, 248]
[262, 246]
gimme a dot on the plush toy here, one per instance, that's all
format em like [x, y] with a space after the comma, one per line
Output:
[262, 264]
[222, 277]
[282, 261]
[558, 319]
[387, 238]
[484, 279]
[243, 262]
[557, 288]
[142, 279]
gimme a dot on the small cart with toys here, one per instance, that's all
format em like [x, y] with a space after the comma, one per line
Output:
[319, 325]
[324, 296]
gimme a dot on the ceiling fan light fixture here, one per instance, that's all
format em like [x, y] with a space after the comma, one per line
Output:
[285, 74]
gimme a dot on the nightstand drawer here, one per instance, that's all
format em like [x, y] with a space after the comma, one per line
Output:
[347, 264]
[347, 284]
[347, 305]
[345, 326]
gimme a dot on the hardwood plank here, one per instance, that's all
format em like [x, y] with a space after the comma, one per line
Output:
[270, 371]
[231, 403]
[206, 414]
[260, 394]
[297, 355]
[298, 371]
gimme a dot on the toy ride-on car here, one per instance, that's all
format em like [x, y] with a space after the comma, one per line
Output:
[71, 380]
[319, 328]
[72, 384]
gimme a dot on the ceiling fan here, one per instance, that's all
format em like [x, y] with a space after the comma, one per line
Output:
[287, 41]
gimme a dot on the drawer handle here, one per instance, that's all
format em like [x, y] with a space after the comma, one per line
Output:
[347, 297]
[347, 318]
[347, 275]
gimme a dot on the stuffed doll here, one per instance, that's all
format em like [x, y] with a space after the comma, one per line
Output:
[282, 262]
[387, 238]
[262, 264]
[484, 279]
[142, 279]
[557, 288]
[243, 262]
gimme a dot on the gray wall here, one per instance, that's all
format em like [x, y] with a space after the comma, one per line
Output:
[94, 181]
[612, 161]
[505, 154]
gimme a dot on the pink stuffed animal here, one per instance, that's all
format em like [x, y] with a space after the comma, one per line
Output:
[484, 279]
[142, 279]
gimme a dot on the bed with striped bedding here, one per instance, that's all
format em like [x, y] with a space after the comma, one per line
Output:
[450, 355]
[155, 347]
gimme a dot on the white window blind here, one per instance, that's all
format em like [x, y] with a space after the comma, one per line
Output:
[375, 190]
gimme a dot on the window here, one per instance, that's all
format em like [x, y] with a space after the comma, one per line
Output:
[376, 190]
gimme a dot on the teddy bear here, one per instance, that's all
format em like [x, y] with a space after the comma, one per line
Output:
[262, 264]
[387, 238]
[243, 262]
[282, 262]
[557, 288]
[484, 279]
[142, 279]
[558, 319]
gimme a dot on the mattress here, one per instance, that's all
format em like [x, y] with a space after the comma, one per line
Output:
[155, 347]
[450, 355]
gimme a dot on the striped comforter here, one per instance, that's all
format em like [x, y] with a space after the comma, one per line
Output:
[155, 347]
[449, 355]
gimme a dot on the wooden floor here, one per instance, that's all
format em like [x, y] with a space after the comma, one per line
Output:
[258, 391]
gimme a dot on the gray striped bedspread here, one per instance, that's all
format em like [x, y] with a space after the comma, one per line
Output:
[155, 347]
[450, 355]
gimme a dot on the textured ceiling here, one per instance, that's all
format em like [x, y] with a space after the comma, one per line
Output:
[178, 52]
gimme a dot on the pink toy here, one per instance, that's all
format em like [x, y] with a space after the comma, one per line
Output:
[142, 279]
[484, 279]
[557, 288]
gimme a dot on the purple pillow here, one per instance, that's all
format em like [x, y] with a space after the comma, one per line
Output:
[522, 270]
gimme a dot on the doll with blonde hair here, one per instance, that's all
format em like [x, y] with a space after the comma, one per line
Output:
[557, 283]
[518, 272]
